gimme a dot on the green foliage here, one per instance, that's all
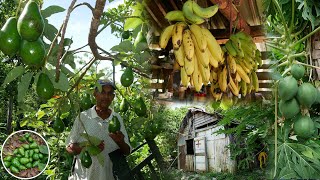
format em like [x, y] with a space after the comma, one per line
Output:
[249, 124]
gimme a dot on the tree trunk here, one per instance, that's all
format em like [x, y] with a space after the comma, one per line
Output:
[9, 115]
[157, 155]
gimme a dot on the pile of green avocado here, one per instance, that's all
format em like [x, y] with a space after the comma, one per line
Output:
[26, 156]
[22, 37]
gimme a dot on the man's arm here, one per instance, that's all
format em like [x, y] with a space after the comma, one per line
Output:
[118, 138]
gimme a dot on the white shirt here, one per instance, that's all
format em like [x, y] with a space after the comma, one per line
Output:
[98, 127]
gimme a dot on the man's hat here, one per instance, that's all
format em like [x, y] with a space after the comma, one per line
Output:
[106, 82]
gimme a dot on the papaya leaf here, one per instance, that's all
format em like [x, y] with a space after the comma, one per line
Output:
[13, 74]
[23, 85]
[132, 23]
[96, 141]
[51, 10]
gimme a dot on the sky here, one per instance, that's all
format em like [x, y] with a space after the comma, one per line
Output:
[79, 25]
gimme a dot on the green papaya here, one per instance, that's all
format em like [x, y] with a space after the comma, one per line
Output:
[297, 71]
[304, 127]
[85, 102]
[288, 88]
[289, 108]
[45, 87]
[33, 53]
[307, 94]
[85, 159]
[140, 107]
[124, 106]
[58, 125]
[114, 125]
[30, 23]
[127, 77]
[10, 38]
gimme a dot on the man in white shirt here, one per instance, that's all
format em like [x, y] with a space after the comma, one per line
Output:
[96, 121]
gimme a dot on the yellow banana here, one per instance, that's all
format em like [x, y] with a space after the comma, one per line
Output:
[231, 64]
[242, 74]
[238, 78]
[189, 65]
[213, 46]
[184, 77]
[165, 36]
[179, 54]
[213, 76]
[175, 16]
[204, 12]
[223, 80]
[203, 74]
[231, 50]
[200, 55]
[188, 13]
[244, 67]
[212, 61]
[200, 39]
[177, 34]
[255, 81]
[188, 44]
[233, 87]
[250, 85]
[215, 91]
[243, 87]
[196, 76]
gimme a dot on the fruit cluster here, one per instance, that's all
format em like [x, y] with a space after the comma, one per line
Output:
[200, 58]
[297, 96]
[26, 156]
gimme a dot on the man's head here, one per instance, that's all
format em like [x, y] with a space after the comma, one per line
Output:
[106, 96]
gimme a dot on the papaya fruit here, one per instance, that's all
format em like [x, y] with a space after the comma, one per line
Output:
[318, 97]
[140, 107]
[114, 125]
[127, 77]
[33, 53]
[58, 125]
[9, 37]
[85, 102]
[297, 71]
[124, 106]
[304, 127]
[288, 88]
[307, 94]
[30, 23]
[289, 108]
[85, 159]
[44, 89]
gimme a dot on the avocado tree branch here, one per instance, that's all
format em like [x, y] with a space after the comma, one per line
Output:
[60, 51]
[83, 4]
[53, 43]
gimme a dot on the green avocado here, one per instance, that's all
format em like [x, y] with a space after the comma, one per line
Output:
[127, 77]
[45, 87]
[125, 34]
[10, 38]
[124, 106]
[30, 22]
[114, 125]
[85, 159]
[58, 125]
[33, 53]
[140, 107]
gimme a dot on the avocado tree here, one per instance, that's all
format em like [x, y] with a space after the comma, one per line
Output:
[294, 149]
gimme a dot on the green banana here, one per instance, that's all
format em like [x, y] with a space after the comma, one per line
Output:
[204, 12]
[237, 45]
[188, 13]
[175, 16]
[231, 49]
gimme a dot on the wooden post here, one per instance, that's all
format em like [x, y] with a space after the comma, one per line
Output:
[9, 115]
[156, 152]
[153, 172]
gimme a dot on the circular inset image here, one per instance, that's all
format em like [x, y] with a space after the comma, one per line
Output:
[25, 154]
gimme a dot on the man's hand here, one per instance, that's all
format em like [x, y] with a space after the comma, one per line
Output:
[118, 138]
[101, 146]
[74, 148]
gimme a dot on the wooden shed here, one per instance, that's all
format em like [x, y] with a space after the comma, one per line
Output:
[199, 148]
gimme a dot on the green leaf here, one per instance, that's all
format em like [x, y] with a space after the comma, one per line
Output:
[141, 46]
[93, 150]
[23, 85]
[307, 153]
[67, 42]
[41, 166]
[24, 122]
[132, 23]
[65, 105]
[13, 74]
[69, 59]
[51, 10]
[43, 149]
[36, 124]
[101, 158]
[96, 141]
[62, 84]
[40, 114]
[50, 31]
[124, 46]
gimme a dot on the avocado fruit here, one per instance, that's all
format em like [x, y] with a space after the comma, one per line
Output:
[9, 37]
[45, 88]
[33, 53]
[30, 23]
